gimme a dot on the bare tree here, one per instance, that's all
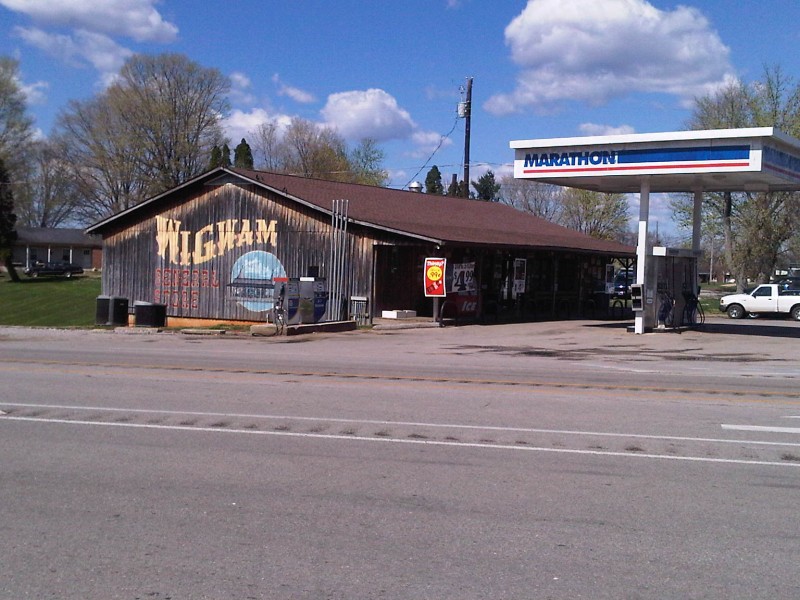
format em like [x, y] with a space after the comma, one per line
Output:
[757, 228]
[150, 131]
[541, 199]
[600, 215]
[174, 107]
[267, 144]
[50, 193]
[307, 149]
[15, 125]
[108, 172]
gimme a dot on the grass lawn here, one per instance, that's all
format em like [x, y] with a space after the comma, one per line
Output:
[49, 301]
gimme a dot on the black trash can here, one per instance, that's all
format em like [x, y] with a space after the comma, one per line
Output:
[117, 311]
[101, 310]
[148, 314]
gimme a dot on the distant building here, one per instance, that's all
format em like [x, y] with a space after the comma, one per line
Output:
[215, 247]
[54, 244]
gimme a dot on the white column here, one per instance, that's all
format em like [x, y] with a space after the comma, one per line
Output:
[641, 251]
[697, 219]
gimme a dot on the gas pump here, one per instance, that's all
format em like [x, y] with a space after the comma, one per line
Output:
[672, 276]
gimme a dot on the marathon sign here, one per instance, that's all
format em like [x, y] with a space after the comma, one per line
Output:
[577, 162]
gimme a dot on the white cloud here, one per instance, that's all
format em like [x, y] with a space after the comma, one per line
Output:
[593, 51]
[294, 93]
[596, 129]
[240, 88]
[97, 49]
[35, 93]
[368, 114]
[240, 124]
[136, 19]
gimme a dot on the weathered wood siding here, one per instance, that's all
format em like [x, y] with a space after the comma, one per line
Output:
[198, 255]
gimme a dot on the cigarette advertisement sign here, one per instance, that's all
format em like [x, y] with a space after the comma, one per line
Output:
[434, 277]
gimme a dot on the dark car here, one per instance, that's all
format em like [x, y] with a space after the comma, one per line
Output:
[789, 283]
[622, 284]
[63, 269]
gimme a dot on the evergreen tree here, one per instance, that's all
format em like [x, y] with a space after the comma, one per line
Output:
[225, 160]
[433, 182]
[486, 188]
[216, 158]
[8, 235]
[243, 156]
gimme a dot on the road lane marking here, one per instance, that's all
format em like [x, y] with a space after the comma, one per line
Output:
[763, 428]
[421, 424]
[354, 438]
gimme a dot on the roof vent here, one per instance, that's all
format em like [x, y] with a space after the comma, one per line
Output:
[415, 186]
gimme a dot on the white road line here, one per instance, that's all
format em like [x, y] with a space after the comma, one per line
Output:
[762, 428]
[353, 438]
[643, 436]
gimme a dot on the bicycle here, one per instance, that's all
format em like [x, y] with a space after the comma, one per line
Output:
[278, 315]
[693, 314]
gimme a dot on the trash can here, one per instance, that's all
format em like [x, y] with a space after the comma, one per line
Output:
[147, 314]
[117, 311]
[101, 310]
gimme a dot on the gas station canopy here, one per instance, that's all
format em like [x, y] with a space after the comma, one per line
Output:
[758, 159]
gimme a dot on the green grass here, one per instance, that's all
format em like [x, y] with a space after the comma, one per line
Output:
[49, 301]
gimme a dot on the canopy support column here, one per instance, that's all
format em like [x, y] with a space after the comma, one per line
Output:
[641, 249]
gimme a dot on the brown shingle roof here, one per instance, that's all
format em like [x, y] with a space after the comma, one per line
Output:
[440, 219]
[444, 219]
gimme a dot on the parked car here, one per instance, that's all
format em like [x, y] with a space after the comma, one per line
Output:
[789, 283]
[63, 269]
[622, 284]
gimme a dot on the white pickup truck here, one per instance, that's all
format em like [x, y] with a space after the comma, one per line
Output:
[766, 298]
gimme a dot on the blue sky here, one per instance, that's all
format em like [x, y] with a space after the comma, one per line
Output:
[393, 70]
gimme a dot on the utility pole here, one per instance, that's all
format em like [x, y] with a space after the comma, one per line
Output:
[465, 111]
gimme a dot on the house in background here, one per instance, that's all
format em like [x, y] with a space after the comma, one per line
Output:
[57, 245]
[220, 247]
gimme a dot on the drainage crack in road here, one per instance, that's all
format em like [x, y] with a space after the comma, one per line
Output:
[789, 395]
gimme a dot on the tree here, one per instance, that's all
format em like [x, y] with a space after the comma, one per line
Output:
[225, 156]
[433, 182]
[174, 106]
[8, 233]
[95, 138]
[757, 227]
[49, 194]
[458, 189]
[309, 150]
[599, 215]
[486, 188]
[540, 199]
[243, 156]
[151, 130]
[15, 125]
[267, 146]
[366, 162]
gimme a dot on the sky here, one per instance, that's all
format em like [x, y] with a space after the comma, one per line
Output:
[396, 71]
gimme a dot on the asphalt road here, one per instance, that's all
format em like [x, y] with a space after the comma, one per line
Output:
[544, 460]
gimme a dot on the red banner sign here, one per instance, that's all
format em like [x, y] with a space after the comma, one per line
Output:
[434, 277]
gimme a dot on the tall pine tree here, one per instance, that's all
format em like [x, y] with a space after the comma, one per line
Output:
[243, 156]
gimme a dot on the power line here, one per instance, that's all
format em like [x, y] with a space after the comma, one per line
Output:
[441, 141]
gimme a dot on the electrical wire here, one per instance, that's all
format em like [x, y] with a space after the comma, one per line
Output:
[435, 150]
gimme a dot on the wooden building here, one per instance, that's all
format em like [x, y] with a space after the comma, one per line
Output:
[217, 248]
